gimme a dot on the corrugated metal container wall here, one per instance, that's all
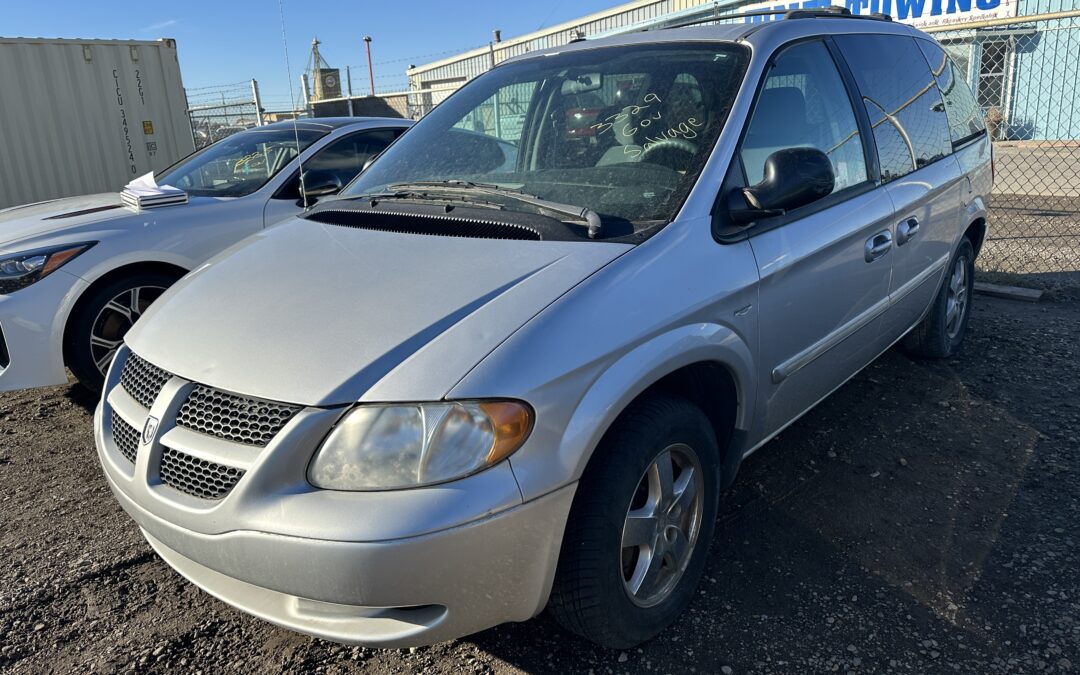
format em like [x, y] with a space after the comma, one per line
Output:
[86, 116]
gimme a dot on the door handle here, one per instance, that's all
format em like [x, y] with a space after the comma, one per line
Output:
[906, 231]
[878, 245]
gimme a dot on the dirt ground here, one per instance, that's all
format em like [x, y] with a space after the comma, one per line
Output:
[922, 520]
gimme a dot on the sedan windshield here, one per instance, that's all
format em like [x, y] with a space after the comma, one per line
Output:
[619, 132]
[239, 164]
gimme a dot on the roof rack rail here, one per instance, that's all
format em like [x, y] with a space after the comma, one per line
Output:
[832, 12]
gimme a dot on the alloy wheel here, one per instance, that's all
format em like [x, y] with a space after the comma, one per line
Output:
[114, 321]
[956, 300]
[662, 525]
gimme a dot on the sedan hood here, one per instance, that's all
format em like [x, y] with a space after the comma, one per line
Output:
[34, 220]
[318, 314]
[78, 218]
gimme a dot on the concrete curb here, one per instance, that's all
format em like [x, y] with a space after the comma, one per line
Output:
[1008, 292]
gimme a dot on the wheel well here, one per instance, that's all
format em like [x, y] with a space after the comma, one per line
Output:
[711, 387]
[976, 232]
[108, 278]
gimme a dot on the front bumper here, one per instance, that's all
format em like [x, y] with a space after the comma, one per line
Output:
[32, 329]
[387, 569]
[401, 593]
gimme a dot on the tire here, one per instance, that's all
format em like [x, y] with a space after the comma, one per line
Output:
[97, 328]
[940, 333]
[592, 593]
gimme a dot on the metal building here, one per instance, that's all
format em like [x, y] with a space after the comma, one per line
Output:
[1021, 56]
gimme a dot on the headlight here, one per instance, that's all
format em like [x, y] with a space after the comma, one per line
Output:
[382, 447]
[19, 270]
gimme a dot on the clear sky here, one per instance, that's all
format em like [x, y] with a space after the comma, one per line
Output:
[225, 41]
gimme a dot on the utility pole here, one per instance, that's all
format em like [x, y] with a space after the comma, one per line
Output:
[258, 103]
[348, 81]
[370, 70]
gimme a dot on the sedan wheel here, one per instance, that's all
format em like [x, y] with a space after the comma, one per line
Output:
[114, 321]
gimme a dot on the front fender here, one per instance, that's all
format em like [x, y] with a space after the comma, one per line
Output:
[540, 470]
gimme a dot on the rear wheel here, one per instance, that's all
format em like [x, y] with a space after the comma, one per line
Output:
[942, 331]
[103, 319]
[641, 524]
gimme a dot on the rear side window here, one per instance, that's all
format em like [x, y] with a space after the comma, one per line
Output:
[902, 100]
[965, 118]
[804, 103]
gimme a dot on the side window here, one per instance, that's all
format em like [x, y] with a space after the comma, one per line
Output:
[965, 118]
[343, 158]
[804, 104]
[901, 99]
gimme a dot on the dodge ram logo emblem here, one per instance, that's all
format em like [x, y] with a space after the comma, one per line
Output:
[149, 430]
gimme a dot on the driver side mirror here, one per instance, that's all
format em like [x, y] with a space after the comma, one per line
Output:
[317, 184]
[793, 177]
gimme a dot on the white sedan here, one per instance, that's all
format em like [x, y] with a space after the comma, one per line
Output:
[76, 273]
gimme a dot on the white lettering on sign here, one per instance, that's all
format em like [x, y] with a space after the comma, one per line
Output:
[918, 13]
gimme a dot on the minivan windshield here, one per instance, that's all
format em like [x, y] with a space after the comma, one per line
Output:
[239, 164]
[620, 131]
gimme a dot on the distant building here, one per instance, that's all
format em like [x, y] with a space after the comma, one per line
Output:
[1022, 57]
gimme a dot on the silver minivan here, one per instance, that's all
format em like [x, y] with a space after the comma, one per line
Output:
[516, 363]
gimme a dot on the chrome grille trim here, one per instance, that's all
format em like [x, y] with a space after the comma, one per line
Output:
[143, 380]
[238, 419]
[197, 477]
[126, 438]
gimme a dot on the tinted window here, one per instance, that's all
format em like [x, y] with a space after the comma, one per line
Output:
[965, 118]
[343, 158]
[804, 103]
[901, 99]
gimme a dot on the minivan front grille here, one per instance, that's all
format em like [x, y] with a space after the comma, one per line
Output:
[197, 477]
[238, 419]
[126, 438]
[143, 380]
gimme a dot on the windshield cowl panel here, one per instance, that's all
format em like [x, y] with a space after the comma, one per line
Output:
[456, 215]
[240, 164]
[616, 132]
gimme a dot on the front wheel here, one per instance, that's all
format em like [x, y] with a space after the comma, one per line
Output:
[641, 524]
[101, 321]
[941, 332]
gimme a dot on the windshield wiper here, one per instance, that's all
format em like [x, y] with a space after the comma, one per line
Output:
[592, 218]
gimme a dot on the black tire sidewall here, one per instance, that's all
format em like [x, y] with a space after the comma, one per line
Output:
[626, 454]
[77, 350]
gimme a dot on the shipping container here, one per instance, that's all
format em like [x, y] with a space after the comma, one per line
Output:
[86, 116]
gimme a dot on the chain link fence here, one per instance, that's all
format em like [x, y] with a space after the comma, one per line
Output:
[219, 111]
[1026, 77]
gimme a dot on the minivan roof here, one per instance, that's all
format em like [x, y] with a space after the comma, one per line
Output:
[804, 23]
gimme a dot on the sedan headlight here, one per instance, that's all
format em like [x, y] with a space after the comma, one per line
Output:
[19, 270]
[383, 447]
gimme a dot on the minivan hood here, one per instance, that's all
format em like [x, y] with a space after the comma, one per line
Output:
[319, 314]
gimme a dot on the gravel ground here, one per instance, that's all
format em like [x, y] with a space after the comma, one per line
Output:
[922, 520]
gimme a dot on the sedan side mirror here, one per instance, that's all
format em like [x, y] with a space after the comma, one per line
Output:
[320, 184]
[793, 177]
